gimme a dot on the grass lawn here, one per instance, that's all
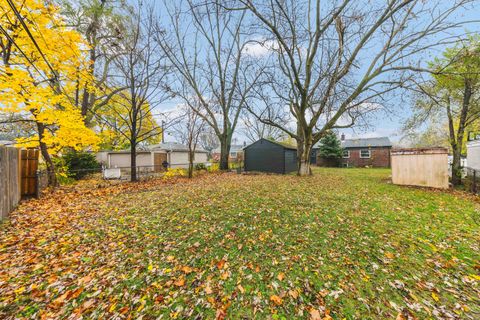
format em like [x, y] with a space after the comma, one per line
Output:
[343, 244]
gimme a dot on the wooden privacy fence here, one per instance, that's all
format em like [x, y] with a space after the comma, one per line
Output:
[10, 189]
[18, 177]
[425, 167]
[29, 167]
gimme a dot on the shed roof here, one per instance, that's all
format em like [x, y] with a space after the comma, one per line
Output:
[282, 144]
[367, 142]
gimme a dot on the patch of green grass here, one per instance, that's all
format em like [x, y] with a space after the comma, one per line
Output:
[343, 243]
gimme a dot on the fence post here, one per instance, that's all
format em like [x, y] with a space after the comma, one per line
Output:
[474, 182]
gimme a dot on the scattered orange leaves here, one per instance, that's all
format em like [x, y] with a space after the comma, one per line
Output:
[180, 282]
[276, 300]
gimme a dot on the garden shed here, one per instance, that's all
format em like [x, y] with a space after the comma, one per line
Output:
[270, 156]
[425, 167]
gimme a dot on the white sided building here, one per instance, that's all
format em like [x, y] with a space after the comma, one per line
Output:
[473, 154]
[154, 156]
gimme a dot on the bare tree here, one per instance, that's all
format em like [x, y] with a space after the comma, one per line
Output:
[141, 68]
[254, 129]
[188, 131]
[208, 140]
[336, 61]
[205, 44]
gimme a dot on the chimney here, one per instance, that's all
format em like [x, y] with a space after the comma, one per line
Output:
[342, 137]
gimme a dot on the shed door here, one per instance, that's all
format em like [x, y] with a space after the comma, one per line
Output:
[158, 159]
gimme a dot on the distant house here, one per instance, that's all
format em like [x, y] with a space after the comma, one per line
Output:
[473, 155]
[372, 152]
[175, 154]
[270, 156]
[235, 155]
[7, 143]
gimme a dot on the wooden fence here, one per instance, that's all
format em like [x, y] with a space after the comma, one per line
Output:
[18, 177]
[425, 167]
[10, 177]
[29, 167]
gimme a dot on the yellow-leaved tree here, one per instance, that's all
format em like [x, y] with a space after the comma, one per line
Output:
[42, 67]
[113, 123]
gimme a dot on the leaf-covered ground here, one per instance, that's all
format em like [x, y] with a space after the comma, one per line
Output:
[343, 244]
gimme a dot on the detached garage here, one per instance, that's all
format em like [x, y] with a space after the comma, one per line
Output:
[270, 156]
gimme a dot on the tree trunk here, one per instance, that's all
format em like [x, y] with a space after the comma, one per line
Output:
[191, 158]
[304, 148]
[458, 145]
[224, 153]
[52, 178]
[456, 167]
[133, 162]
[303, 154]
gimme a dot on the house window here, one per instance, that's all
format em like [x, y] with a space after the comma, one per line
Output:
[233, 154]
[365, 154]
[346, 154]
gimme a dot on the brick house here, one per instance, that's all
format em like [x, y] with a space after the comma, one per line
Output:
[236, 153]
[371, 152]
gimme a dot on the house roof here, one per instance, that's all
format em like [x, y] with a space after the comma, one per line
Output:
[366, 142]
[172, 146]
[6, 143]
[233, 148]
[125, 152]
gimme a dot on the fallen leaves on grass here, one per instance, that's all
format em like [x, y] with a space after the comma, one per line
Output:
[340, 244]
[276, 300]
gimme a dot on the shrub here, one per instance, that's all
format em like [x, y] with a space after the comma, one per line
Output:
[79, 164]
[200, 166]
[171, 173]
[214, 167]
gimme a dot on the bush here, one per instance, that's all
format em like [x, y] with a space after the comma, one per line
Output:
[171, 173]
[79, 164]
[200, 166]
[214, 167]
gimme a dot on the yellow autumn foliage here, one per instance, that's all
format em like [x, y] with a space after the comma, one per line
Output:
[113, 122]
[28, 87]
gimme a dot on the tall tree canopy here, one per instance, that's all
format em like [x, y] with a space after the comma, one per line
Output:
[451, 96]
[102, 24]
[206, 46]
[42, 62]
[333, 62]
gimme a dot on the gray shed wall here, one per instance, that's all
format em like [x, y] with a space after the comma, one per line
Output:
[290, 160]
[264, 156]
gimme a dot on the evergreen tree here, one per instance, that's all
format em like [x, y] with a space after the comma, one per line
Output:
[330, 146]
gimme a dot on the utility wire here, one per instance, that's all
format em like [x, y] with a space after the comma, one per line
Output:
[9, 38]
[20, 18]
[55, 75]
